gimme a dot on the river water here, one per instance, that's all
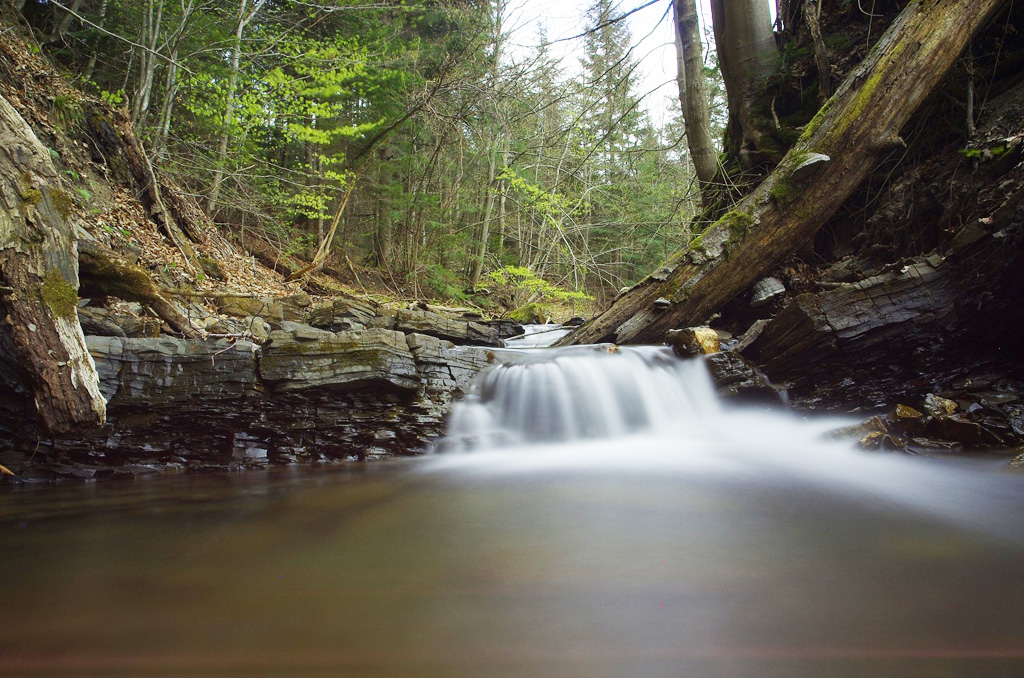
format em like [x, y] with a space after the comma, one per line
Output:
[683, 538]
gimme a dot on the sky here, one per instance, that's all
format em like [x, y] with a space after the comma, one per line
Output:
[650, 27]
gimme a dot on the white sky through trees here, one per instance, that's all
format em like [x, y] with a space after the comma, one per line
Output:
[650, 27]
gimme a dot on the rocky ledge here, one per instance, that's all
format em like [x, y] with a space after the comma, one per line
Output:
[303, 393]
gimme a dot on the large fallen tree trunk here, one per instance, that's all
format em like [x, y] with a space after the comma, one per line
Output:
[857, 127]
[105, 272]
[39, 268]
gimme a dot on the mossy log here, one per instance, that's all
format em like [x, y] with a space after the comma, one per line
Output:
[105, 272]
[39, 264]
[855, 128]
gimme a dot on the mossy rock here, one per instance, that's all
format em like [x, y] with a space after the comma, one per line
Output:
[531, 314]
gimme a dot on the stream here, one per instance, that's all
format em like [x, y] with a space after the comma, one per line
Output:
[592, 512]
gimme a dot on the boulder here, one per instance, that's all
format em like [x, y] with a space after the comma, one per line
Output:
[295, 307]
[531, 314]
[165, 370]
[196, 405]
[300, 357]
[97, 321]
[243, 306]
[693, 341]
[444, 367]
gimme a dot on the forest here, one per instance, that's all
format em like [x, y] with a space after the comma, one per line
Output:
[404, 137]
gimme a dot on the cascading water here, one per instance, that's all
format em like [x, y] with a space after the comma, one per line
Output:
[592, 392]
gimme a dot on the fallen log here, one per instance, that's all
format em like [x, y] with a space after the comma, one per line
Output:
[851, 133]
[105, 272]
[39, 264]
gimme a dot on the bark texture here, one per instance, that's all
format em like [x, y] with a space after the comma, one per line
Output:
[693, 92]
[858, 125]
[39, 263]
[746, 53]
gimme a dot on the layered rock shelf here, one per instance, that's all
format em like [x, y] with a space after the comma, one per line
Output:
[305, 394]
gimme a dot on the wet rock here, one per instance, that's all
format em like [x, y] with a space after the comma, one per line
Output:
[216, 404]
[444, 367]
[738, 379]
[873, 434]
[750, 336]
[693, 341]
[506, 327]
[765, 291]
[905, 414]
[960, 429]
[854, 329]
[937, 406]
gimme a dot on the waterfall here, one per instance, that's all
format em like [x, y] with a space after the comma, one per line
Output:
[581, 393]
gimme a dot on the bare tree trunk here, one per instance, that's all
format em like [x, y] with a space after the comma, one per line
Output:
[147, 61]
[693, 93]
[171, 81]
[485, 233]
[245, 15]
[39, 267]
[812, 11]
[90, 67]
[857, 127]
[746, 53]
[61, 25]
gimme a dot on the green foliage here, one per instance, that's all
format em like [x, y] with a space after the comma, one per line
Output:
[438, 282]
[515, 282]
[589, 196]
[988, 153]
[67, 111]
[112, 99]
